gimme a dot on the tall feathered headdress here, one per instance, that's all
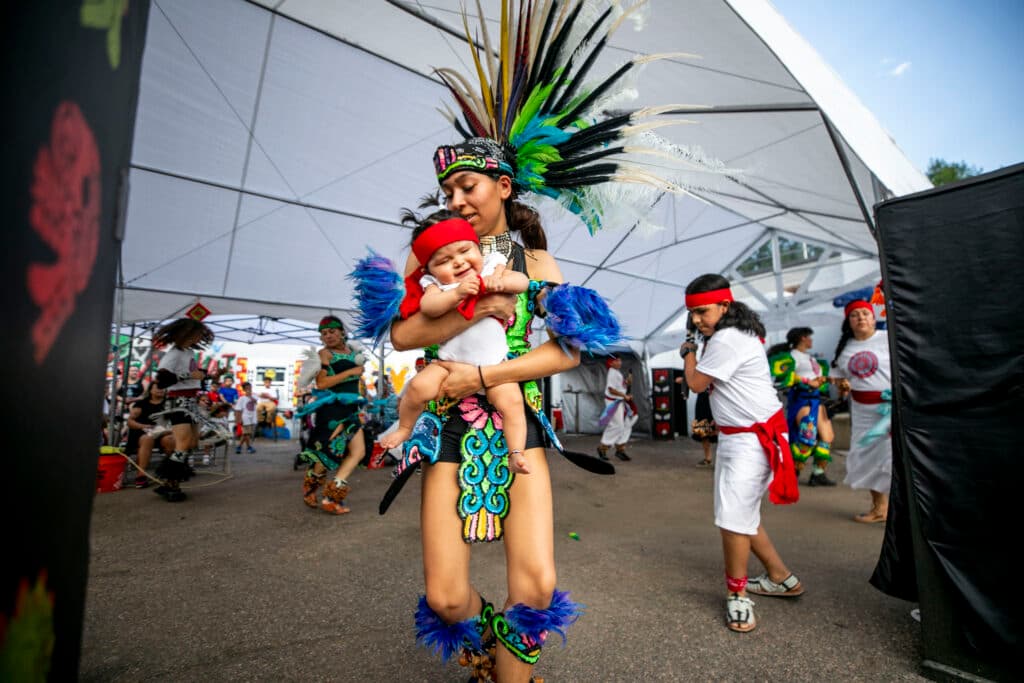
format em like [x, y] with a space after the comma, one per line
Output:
[548, 124]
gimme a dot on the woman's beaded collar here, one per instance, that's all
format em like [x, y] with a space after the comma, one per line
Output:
[501, 243]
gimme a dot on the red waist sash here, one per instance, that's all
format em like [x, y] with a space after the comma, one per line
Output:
[773, 434]
[868, 397]
[179, 393]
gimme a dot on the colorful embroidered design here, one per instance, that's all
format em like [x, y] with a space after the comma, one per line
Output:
[423, 444]
[484, 475]
[523, 630]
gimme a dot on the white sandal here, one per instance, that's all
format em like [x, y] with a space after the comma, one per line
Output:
[789, 588]
[739, 613]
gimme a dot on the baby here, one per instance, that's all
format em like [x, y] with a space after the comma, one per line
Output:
[454, 273]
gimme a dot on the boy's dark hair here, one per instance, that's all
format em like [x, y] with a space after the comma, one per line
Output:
[738, 315]
[247, 385]
[177, 331]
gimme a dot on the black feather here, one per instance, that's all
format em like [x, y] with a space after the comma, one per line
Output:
[576, 162]
[572, 81]
[597, 92]
[547, 71]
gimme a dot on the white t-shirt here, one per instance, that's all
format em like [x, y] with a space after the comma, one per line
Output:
[259, 392]
[742, 392]
[806, 366]
[246, 405]
[181, 362]
[866, 363]
[482, 344]
[615, 381]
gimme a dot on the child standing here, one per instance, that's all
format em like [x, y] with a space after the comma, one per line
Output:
[453, 275]
[753, 450]
[245, 415]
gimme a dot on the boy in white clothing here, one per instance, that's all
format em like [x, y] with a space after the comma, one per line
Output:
[455, 273]
[245, 415]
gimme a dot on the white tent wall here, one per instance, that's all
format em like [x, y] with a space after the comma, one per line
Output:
[581, 394]
[275, 143]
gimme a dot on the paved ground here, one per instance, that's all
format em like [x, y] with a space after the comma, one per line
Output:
[244, 582]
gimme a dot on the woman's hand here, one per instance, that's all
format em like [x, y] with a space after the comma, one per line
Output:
[817, 382]
[499, 305]
[463, 379]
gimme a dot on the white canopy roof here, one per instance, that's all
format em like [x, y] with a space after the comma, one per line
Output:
[274, 144]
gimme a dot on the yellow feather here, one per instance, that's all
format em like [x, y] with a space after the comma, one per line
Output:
[485, 90]
[506, 58]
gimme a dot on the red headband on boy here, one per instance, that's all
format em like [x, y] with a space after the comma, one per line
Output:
[854, 305]
[440, 234]
[715, 296]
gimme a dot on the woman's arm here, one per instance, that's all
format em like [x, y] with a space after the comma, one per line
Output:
[326, 381]
[133, 416]
[547, 359]
[419, 330]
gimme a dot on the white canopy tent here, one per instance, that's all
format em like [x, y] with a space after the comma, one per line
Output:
[276, 140]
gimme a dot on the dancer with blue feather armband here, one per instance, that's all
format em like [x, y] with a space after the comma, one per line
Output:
[453, 276]
[539, 125]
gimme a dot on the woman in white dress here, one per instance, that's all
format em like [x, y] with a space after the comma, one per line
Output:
[862, 361]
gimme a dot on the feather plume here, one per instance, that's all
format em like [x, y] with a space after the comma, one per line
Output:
[538, 98]
[561, 614]
[379, 293]
[310, 366]
[580, 317]
[444, 639]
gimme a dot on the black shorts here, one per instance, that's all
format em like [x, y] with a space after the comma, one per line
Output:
[181, 407]
[456, 427]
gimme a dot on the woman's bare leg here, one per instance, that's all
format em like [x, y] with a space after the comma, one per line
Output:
[445, 556]
[529, 552]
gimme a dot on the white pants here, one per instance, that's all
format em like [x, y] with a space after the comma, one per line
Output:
[742, 475]
[619, 428]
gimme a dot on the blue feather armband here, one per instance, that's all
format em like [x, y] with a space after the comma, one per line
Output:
[379, 293]
[581, 317]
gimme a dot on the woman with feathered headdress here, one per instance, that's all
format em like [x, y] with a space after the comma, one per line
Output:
[536, 124]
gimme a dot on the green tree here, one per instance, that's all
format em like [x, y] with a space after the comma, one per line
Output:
[941, 172]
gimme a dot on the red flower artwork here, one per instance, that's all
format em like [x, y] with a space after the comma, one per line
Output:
[66, 204]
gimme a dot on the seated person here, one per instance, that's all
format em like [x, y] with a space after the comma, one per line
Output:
[266, 407]
[143, 432]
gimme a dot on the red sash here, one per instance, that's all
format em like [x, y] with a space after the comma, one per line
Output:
[866, 397]
[773, 435]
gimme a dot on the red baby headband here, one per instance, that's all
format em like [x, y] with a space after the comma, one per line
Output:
[440, 234]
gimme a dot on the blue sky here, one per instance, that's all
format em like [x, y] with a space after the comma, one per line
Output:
[944, 78]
